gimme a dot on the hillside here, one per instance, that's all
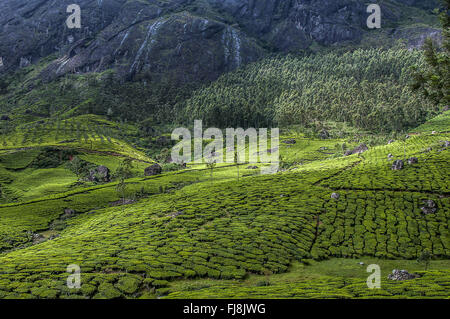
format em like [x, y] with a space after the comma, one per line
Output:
[89, 177]
[185, 227]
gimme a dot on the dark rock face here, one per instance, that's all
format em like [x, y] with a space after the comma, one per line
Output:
[155, 169]
[185, 40]
[294, 25]
[135, 37]
[358, 150]
[429, 208]
[398, 165]
[99, 174]
[401, 275]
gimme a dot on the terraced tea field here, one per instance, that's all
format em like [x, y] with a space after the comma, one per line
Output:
[187, 235]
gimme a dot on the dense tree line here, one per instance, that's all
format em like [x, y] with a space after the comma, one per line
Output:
[366, 88]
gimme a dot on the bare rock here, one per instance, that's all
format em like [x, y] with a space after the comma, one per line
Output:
[401, 275]
[37, 238]
[358, 150]
[335, 196]
[155, 169]
[413, 160]
[99, 174]
[290, 141]
[324, 135]
[398, 165]
[176, 214]
[429, 208]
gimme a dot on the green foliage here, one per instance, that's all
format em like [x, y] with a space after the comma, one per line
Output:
[364, 88]
[434, 80]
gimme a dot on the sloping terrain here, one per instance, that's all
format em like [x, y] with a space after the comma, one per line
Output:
[187, 40]
[188, 226]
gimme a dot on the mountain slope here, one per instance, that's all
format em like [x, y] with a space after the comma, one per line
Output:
[186, 40]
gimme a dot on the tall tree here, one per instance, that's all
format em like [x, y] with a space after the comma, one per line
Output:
[434, 81]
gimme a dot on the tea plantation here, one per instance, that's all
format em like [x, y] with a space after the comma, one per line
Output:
[201, 233]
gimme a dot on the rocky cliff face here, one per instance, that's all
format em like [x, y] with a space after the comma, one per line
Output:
[188, 40]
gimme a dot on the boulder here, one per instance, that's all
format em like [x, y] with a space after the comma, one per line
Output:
[324, 135]
[445, 109]
[290, 141]
[335, 196]
[390, 155]
[413, 160]
[176, 214]
[434, 132]
[99, 174]
[24, 62]
[401, 275]
[358, 150]
[391, 141]
[429, 208]
[446, 144]
[69, 212]
[398, 165]
[37, 239]
[155, 169]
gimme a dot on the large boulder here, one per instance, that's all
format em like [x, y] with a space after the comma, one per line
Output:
[99, 174]
[358, 150]
[429, 208]
[401, 275]
[398, 165]
[155, 169]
